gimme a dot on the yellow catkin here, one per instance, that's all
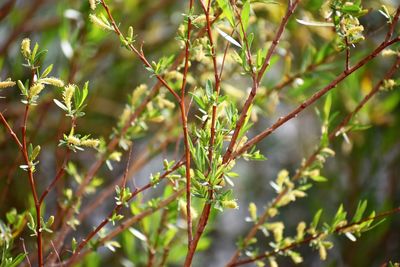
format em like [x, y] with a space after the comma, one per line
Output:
[52, 81]
[68, 94]
[93, 143]
[35, 89]
[26, 47]
[92, 4]
[6, 83]
[95, 20]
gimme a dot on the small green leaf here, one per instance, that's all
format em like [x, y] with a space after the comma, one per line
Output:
[35, 49]
[34, 153]
[318, 178]
[74, 244]
[22, 88]
[327, 107]
[340, 216]
[245, 15]
[316, 218]
[47, 71]
[227, 11]
[15, 262]
[362, 205]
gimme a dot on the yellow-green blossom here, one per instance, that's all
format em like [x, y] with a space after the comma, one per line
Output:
[26, 47]
[6, 83]
[322, 252]
[253, 211]
[115, 156]
[94, 143]
[68, 93]
[300, 230]
[52, 81]
[229, 204]
[35, 89]
[92, 4]
[73, 140]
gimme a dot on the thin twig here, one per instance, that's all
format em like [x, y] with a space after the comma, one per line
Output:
[10, 131]
[25, 251]
[185, 129]
[59, 174]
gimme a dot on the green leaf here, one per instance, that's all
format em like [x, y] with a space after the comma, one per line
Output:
[319, 178]
[327, 107]
[362, 205]
[47, 71]
[22, 88]
[74, 244]
[245, 15]
[340, 216]
[316, 218]
[199, 101]
[40, 57]
[227, 11]
[209, 88]
[169, 235]
[34, 153]
[35, 49]
[85, 91]
[15, 262]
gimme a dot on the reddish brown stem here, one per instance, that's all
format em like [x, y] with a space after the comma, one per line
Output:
[33, 189]
[185, 129]
[206, 210]
[10, 131]
[200, 229]
[257, 80]
[217, 80]
[59, 174]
